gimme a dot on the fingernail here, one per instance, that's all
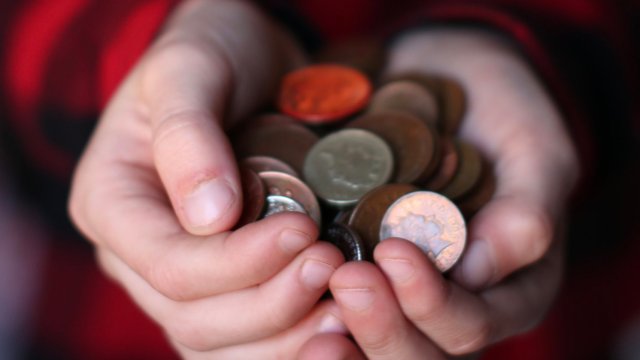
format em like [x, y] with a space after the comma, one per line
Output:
[397, 269]
[292, 241]
[315, 274]
[354, 299]
[477, 265]
[208, 202]
[331, 324]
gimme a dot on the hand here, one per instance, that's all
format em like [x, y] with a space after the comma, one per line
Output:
[157, 191]
[512, 267]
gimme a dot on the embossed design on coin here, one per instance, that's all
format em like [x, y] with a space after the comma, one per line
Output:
[267, 163]
[278, 203]
[253, 194]
[432, 222]
[406, 96]
[278, 183]
[323, 93]
[347, 240]
[345, 165]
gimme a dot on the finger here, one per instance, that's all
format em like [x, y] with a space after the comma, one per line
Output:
[373, 316]
[330, 346]
[240, 316]
[457, 321]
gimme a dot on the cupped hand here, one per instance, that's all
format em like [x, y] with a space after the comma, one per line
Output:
[404, 308]
[157, 191]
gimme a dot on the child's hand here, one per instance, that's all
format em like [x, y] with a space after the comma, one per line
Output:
[157, 191]
[511, 269]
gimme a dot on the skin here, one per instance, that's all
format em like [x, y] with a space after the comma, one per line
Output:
[169, 194]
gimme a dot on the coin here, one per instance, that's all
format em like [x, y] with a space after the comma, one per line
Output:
[253, 196]
[468, 173]
[367, 215]
[346, 164]
[347, 240]
[323, 93]
[278, 183]
[453, 102]
[342, 216]
[432, 222]
[406, 96]
[266, 163]
[288, 142]
[412, 142]
[480, 194]
[271, 118]
[278, 203]
[448, 166]
[364, 54]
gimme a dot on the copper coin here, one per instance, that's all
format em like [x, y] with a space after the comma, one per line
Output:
[412, 142]
[406, 96]
[453, 106]
[364, 54]
[323, 93]
[448, 166]
[367, 216]
[432, 222]
[481, 194]
[266, 163]
[253, 196]
[278, 183]
[346, 164]
[468, 174]
[271, 118]
[278, 203]
[288, 142]
[347, 240]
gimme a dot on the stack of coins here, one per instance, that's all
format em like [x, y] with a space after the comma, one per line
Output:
[366, 165]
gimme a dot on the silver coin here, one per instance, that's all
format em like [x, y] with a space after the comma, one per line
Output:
[278, 203]
[345, 165]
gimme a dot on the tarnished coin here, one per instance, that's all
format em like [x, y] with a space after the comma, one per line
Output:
[278, 183]
[448, 166]
[323, 93]
[278, 203]
[364, 54]
[453, 102]
[366, 217]
[266, 163]
[288, 142]
[346, 164]
[347, 240]
[412, 142]
[253, 196]
[406, 96]
[432, 222]
[480, 194]
[468, 173]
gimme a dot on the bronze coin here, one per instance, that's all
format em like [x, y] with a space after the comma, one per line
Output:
[406, 96]
[468, 174]
[278, 203]
[278, 183]
[288, 142]
[364, 54]
[253, 196]
[481, 194]
[367, 216]
[432, 222]
[266, 163]
[270, 119]
[346, 164]
[453, 106]
[347, 240]
[412, 142]
[448, 166]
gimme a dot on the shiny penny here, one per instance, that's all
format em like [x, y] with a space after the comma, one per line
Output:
[278, 183]
[323, 93]
[432, 222]
[468, 173]
[366, 217]
[406, 96]
[347, 240]
[277, 204]
[253, 196]
[412, 142]
[346, 164]
[288, 142]
[266, 163]
[448, 166]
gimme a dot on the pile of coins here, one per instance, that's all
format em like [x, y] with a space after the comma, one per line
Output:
[365, 165]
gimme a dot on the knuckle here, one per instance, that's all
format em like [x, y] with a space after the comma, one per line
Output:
[169, 280]
[176, 129]
[432, 307]
[281, 318]
[469, 342]
[379, 344]
[535, 226]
